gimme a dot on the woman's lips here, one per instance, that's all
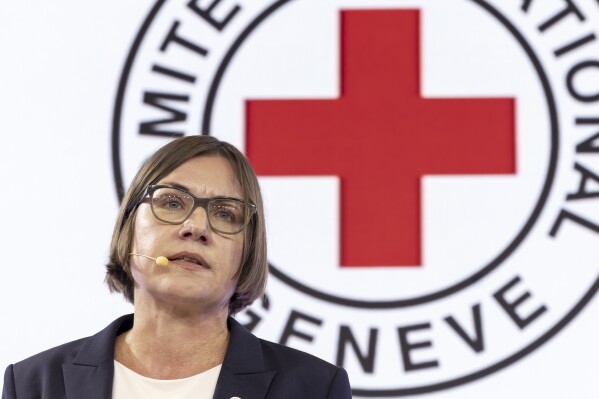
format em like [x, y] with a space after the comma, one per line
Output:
[186, 264]
[189, 261]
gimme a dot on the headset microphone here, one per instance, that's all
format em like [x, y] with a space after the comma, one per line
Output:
[161, 260]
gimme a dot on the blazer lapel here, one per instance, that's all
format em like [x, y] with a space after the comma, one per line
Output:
[90, 382]
[243, 373]
[232, 384]
[91, 373]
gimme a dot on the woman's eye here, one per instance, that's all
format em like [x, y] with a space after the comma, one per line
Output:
[171, 203]
[225, 215]
[223, 212]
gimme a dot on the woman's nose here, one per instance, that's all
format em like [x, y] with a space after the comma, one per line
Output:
[196, 227]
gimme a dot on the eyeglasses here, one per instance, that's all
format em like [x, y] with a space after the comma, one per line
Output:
[174, 205]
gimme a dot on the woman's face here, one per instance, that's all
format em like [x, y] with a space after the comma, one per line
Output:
[202, 263]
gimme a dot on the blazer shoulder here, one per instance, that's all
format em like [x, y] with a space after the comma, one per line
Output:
[42, 375]
[90, 350]
[301, 375]
[50, 358]
[277, 356]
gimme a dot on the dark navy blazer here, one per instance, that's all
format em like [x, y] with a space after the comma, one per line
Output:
[252, 369]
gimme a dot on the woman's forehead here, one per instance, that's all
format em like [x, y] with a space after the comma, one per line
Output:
[206, 175]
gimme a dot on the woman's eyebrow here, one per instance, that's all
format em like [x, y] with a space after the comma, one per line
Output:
[182, 187]
[176, 185]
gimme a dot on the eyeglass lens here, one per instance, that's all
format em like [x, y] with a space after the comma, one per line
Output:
[174, 206]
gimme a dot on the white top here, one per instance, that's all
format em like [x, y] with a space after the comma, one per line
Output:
[127, 384]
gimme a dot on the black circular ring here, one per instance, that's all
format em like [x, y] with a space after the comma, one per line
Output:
[360, 392]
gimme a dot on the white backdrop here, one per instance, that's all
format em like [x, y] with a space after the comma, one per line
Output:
[60, 66]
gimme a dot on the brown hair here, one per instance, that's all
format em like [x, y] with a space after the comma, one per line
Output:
[252, 273]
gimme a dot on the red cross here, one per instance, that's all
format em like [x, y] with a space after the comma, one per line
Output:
[380, 137]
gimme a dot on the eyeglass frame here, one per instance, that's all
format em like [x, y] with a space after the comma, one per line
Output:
[197, 202]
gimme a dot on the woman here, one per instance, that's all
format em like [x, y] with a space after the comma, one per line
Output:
[186, 270]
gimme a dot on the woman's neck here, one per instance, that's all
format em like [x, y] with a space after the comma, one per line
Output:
[173, 343]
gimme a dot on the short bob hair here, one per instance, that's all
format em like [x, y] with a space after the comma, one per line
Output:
[253, 271]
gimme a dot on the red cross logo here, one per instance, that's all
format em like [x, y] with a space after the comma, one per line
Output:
[380, 137]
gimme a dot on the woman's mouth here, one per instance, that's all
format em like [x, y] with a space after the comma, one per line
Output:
[189, 262]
